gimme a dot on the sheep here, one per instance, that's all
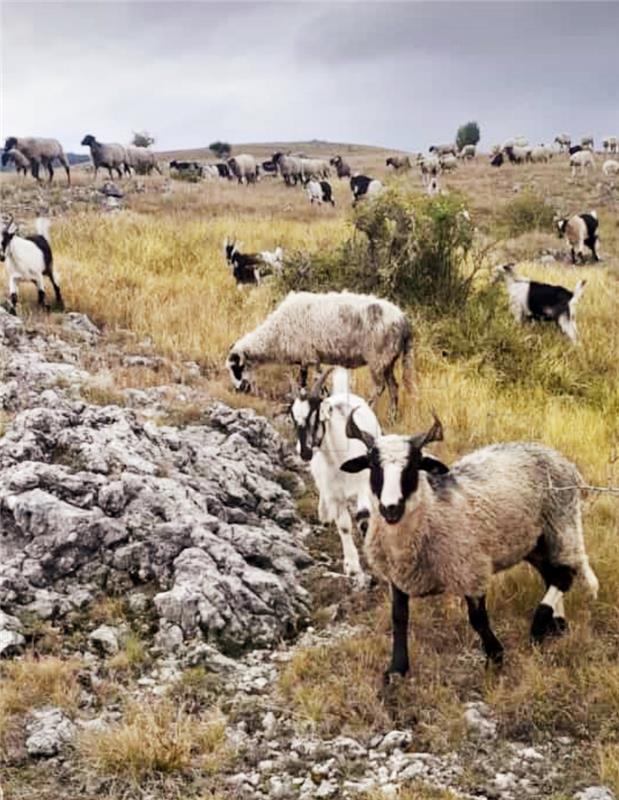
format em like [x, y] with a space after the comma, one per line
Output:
[468, 152]
[582, 161]
[223, 170]
[542, 301]
[270, 167]
[289, 167]
[109, 156]
[28, 258]
[339, 328]
[39, 152]
[564, 141]
[580, 231]
[609, 144]
[587, 143]
[610, 167]
[497, 159]
[435, 532]
[430, 167]
[341, 167]
[320, 427]
[443, 149]
[19, 160]
[363, 186]
[210, 171]
[540, 155]
[244, 167]
[448, 162]
[320, 192]
[142, 160]
[517, 154]
[399, 163]
[314, 168]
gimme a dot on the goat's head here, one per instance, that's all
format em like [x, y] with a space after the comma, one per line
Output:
[504, 272]
[497, 159]
[560, 224]
[9, 229]
[230, 249]
[238, 367]
[394, 462]
[10, 143]
[88, 140]
[309, 421]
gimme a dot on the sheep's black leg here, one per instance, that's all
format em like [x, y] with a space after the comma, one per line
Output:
[50, 170]
[478, 617]
[13, 298]
[42, 298]
[573, 256]
[399, 619]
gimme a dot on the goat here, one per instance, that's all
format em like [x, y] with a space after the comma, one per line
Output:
[245, 266]
[542, 301]
[580, 231]
[187, 168]
[28, 258]
[224, 171]
[269, 167]
[108, 156]
[320, 426]
[19, 160]
[320, 192]
[564, 141]
[363, 186]
[338, 328]
[273, 259]
[581, 161]
[40, 152]
[342, 168]
[448, 531]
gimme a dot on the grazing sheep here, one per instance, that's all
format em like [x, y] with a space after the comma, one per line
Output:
[448, 162]
[314, 169]
[434, 532]
[399, 163]
[468, 152]
[18, 159]
[443, 149]
[341, 167]
[339, 328]
[542, 301]
[108, 156]
[610, 167]
[289, 167]
[564, 141]
[320, 192]
[581, 161]
[28, 258]
[39, 152]
[540, 155]
[610, 145]
[517, 154]
[580, 231]
[142, 160]
[244, 168]
[320, 427]
[363, 186]
[587, 143]
[430, 167]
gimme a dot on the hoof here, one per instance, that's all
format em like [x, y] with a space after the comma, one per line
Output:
[495, 660]
[558, 627]
[543, 623]
[393, 677]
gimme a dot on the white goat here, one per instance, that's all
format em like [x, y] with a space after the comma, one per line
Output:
[320, 425]
[28, 258]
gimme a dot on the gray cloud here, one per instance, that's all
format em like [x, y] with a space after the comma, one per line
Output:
[397, 74]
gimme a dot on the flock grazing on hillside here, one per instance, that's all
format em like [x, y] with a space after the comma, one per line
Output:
[429, 528]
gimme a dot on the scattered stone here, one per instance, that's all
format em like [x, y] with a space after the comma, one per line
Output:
[80, 324]
[595, 793]
[48, 731]
[106, 639]
[478, 720]
[11, 639]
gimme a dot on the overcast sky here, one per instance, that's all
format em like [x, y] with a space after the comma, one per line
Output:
[402, 75]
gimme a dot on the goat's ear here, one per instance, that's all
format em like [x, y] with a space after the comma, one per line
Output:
[324, 414]
[433, 466]
[11, 227]
[356, 464]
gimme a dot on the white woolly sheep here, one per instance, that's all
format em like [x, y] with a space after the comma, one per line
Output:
[449, 532]
[142, 160]
[542, 301]
[244, 167]
[443, 149]
[610, 167]
[399, 162]
[468, 152]
[320, 426]
[540, 155]
[587, 142]
[448, 162]
[580, 231]
[581, 161]
[338, 328]
[28, 258]
[39, 152]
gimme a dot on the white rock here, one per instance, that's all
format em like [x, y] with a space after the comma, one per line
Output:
[269, 724]
[326, 789]
[395, 739]
[105, 638]
[595, 793]
[478, 720]
[48, 730]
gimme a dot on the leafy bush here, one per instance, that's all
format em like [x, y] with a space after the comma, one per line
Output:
[467, 134]
[142, 139]
[526, 212]
[408, 248]
[221, 149]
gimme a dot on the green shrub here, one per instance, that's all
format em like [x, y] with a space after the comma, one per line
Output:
[406, 247]
[526, 212]
[467, 134]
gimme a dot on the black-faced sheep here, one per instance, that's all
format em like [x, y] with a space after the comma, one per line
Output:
[399, 162]
[109, 156]
[18, 159]
[40, 152]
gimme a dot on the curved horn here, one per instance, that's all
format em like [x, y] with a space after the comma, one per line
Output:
[320, 382]
[433, 434]
[353, 431]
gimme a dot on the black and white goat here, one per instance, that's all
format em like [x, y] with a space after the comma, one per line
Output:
[364, 186]
[249, 268]
[320, 192]
[28, 258]
[542, 301]
[580, 230]
[320, 425]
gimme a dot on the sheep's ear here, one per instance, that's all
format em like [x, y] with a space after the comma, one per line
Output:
[433, 466]
[356, 464]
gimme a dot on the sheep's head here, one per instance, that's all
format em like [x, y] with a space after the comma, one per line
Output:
[238, 368]
[10, 143]
[309, 422]
[88, 140]
[394, 462]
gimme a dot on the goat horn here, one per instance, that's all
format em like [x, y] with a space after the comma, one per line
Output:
[353, 431]
[320, 382]
[434, 434]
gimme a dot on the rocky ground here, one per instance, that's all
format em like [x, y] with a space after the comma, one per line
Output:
[196, 528]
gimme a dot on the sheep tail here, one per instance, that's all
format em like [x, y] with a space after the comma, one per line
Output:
[407, 360]
[580, 287]
[339, 381]
[590, 578]
[42, 227]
